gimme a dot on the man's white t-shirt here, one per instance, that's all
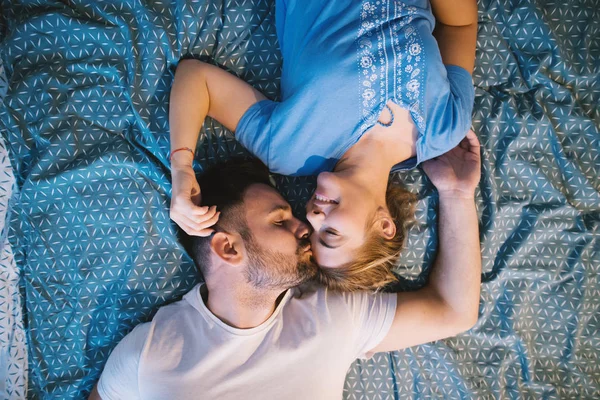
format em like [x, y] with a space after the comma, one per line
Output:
[303, 351]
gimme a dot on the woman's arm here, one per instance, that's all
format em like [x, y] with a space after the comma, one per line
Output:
[456, 31]
[200, 90]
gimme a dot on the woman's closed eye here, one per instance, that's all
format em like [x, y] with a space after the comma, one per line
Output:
[330, 238]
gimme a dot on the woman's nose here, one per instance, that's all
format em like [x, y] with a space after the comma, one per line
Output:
[314, 217]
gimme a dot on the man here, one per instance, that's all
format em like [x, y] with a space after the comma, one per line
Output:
[249, 333]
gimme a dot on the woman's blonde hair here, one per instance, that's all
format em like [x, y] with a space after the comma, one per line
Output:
[372, 268]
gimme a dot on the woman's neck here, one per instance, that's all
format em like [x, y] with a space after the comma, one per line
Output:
[368, 165]
[382, 147]
[370, 160]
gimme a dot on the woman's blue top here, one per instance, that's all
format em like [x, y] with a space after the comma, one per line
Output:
[342, 61]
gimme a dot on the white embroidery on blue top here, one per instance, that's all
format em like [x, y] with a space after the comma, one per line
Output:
[389, 53]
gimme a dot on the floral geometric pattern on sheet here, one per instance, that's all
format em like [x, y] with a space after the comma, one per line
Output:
[13, 350]
[86, 122]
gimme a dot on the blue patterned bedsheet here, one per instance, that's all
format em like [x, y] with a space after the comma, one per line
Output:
[85, 119]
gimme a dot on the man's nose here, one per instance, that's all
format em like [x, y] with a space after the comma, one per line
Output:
[302, 230]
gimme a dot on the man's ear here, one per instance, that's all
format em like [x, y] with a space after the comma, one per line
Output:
[385, 223]
[228, 247]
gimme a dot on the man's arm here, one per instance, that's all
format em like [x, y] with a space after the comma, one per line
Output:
[95, 395]
[456, 31]
[119, 379]
[449, 303]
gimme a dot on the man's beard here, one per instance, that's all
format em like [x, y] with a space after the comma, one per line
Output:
[274, 270]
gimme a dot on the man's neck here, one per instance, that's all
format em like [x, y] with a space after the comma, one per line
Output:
[241, 306]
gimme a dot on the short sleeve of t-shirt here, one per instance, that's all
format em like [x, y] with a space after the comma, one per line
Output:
[119, 380]
[449, 104]
[449, 115]
[372, 315]
[462, 94]
[254, 129]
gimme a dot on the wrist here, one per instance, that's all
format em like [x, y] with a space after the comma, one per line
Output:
[182, 159]
[457, 194]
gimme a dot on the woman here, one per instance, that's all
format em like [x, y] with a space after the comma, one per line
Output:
[365, 90]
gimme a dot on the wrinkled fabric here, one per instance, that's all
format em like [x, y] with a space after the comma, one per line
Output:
[85, 120]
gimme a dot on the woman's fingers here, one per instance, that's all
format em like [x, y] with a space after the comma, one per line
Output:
[196, 195]
[209, 222]
[191, 209]
[194, 232]
[185, 206]
[197, 213]
[199, 222]
[186, 211]
[195, 229]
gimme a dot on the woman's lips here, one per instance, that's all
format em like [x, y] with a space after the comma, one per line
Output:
[322, 199]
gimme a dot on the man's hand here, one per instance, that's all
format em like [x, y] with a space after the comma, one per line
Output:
[185, 201]
[95, 395]
[457, 172]
[449, 303]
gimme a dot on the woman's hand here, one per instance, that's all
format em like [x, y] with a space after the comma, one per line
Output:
[185, 204]
[457, 172]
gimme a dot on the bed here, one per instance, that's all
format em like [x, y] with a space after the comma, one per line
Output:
[90, 250]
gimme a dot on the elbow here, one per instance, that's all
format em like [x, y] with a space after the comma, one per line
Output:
[460, 319]
[190, 65]
[466, 320]
[464, 23]
[186, 63]
[95, 395]
[468, 17]
[470, 321]
[459, 325]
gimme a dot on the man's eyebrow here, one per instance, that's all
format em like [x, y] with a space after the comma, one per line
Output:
[280, 207]
[326, 245]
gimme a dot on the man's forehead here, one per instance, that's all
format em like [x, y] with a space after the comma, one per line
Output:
[260, 198]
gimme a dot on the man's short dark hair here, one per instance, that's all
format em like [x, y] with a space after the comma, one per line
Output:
[224, 185]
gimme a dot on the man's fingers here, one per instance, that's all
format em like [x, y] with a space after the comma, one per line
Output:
[464, 144]
[427, 165]
[473, 140]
